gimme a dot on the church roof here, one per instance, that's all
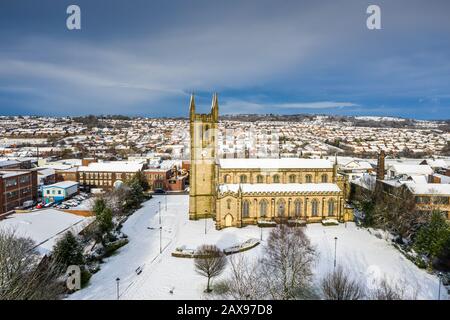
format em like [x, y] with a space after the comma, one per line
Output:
[279, 187]
[283, 163]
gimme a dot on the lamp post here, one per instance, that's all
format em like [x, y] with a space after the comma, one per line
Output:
[117, 282]
[260, 227]
[160, 239]
[159, 211]
[335, 247]
[440, 281]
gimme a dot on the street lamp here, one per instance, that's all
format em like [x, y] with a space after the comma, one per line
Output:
[160, 236]
[335, 247]
[117, 282]
[440, 281]
[159, 211]
[160, 239]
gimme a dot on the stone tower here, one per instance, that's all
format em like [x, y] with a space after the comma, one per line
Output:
[202, 180]
[380, 165]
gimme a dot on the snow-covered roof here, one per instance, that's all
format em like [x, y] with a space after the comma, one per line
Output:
[112, 166]
[279, 187]
[418, 179]
[355, 164]
[4, 163]
[411, 169]
[10, 174]
[46, 171]
[429, 188]
[283, 163]
[63, 184]
[168, 164]
[436, 163]
[44, 226]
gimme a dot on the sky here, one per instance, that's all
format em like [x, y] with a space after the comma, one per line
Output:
[145, 58]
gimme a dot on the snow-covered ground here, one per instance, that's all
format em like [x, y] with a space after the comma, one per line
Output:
[364, 254]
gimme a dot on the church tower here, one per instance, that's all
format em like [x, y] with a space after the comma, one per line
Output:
[202, 180]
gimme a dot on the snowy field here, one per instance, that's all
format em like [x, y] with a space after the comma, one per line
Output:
[166, 277]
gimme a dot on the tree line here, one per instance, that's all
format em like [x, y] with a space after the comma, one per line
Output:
[284, 271]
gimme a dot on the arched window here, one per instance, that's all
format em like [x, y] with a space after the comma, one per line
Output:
[324, 178]
[314, 208]
[297, 208]
[331, 207]
[276, 179]
[227, 178]
[260, 179]
[281, 207]
[229, 204]
[243, 178]
[292, 178]
[246, 209]
[263, 208]
[308, 178]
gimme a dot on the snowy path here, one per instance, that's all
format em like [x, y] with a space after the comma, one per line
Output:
[363, 253]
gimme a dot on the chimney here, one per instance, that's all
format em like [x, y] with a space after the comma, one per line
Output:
[380, 165]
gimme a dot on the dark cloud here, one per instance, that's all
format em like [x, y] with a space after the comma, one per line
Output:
[145, 57]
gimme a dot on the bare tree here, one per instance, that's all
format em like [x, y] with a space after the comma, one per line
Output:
[210, 262]
[388, 290]
[244, 283]
[338, 285]
[286, 264]
[24, 274]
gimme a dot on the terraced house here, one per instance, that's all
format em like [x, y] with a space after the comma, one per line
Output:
[241, 191]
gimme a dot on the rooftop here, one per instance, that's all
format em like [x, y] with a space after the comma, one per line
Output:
[429, 188]
[280, 187]
[112, 166]
[63, 184]
[44, 226]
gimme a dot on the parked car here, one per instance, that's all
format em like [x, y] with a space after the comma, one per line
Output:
[159, 191]
[48, 205]
[28, 204]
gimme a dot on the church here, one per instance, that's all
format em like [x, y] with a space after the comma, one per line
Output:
[239, 192]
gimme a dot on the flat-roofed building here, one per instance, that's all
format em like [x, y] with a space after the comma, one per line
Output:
[59, 191]
[106, 175]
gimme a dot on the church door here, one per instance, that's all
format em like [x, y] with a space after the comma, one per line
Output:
[228, 220]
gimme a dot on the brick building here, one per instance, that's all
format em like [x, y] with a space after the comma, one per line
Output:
[16, 187]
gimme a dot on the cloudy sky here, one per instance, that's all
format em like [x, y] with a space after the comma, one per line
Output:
[145, 57]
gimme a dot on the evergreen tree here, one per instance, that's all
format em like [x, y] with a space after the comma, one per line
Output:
[68, 251]
[103, 215]
[104, 220]
[433, 237]
[140, 176]
[99, 205]
[135, 194]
